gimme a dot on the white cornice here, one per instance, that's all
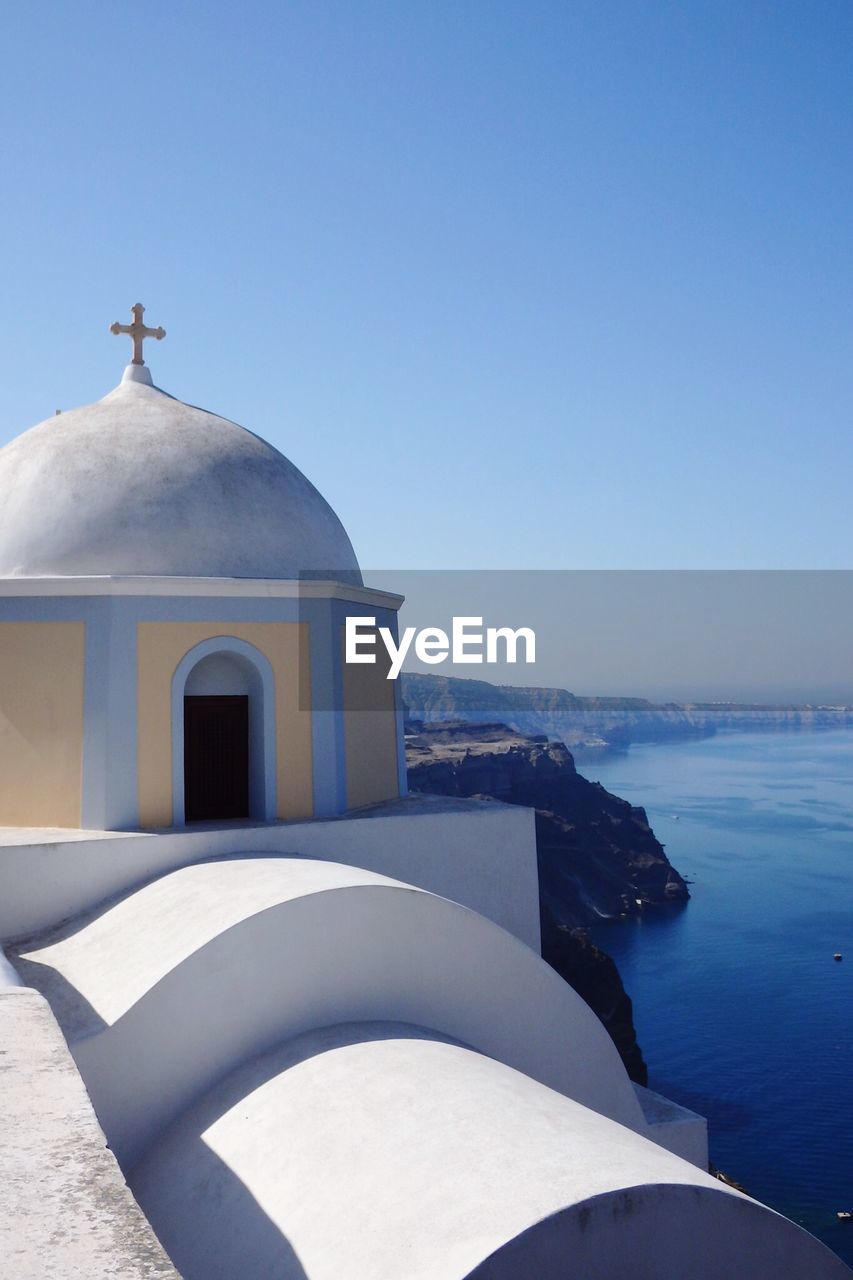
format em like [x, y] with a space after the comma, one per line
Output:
[249, 588]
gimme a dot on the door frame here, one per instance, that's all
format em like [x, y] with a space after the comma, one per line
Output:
[262, 728]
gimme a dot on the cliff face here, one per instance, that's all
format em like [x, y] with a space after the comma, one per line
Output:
[594, 976]
[596, 724]
[598, 857]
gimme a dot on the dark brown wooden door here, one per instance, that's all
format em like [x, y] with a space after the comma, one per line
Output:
[216, 757]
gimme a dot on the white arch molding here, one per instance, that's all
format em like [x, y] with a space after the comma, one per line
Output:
[262, 754]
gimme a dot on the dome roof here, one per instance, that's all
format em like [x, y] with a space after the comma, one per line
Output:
[141, 483]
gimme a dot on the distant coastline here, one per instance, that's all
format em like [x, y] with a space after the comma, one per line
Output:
[592, 726]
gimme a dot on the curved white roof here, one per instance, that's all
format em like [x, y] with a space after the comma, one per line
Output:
[139, 984]
[141, 483]
[375, 1151]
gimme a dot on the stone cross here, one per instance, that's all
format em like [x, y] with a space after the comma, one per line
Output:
[138, 332]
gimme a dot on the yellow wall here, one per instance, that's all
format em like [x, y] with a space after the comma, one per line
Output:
[41, 723]
[370, 730]
[161, 646]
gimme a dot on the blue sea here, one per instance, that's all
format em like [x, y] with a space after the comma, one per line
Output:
[741, 1011]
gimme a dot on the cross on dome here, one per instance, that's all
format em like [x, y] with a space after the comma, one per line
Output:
[138, 332]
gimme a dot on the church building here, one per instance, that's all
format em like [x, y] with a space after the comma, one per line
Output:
[262, 1012]
[174, 594]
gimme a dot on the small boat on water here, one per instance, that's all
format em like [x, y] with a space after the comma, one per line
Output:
[845, 1215]
[837, 955]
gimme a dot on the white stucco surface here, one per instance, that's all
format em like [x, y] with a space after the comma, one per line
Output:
[378, 1153]
[114, 957]
[166, 991]
[65, 1211]
[141, 483]
[683, 1132]
[479, 853]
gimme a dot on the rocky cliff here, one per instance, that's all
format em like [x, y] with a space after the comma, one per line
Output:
[594, 976]
[596, 724]
[598, 857]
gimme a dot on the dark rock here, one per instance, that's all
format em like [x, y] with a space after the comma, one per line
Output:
[597, 854]
[598, 857]
[594, 976]
[724, 1177]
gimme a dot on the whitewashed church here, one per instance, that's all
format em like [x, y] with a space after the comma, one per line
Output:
[262, 1013]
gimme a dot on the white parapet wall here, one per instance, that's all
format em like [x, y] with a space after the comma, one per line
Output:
[479, 853]
[175, 985]
[65, 1210]
[681, 1131]
[311, 1070]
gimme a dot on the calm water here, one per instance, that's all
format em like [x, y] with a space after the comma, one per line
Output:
[741, 1011]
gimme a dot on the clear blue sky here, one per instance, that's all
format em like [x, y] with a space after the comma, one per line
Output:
[516, 284]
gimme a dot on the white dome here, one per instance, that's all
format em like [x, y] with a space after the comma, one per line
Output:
[141, 483]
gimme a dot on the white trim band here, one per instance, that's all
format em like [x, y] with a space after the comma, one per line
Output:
[264, 588]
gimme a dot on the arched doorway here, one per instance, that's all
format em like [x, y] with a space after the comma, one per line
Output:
[223, 734]
[216, 740]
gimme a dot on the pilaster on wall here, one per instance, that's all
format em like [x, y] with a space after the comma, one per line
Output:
[109, 793]
[371, 715]
[327, 702]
